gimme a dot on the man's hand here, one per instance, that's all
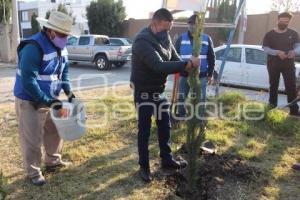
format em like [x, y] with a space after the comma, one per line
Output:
[210, 80]
[291, 54]
[70, 96]
[56, 104]
[298, 95]
[189, 66]
[196, 61]
[282, 55]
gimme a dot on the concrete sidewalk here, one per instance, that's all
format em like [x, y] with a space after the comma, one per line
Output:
[7, 65]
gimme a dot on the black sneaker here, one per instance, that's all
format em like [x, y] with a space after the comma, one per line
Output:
[54, 168]
[145, 174]
[294, 114]
[38, 180]
[174, 164]
[296, 166]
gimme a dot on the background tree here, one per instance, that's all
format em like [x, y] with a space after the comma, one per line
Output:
[5, 11]
[213, 8]
[61, 8]
[286, 5]
[48, 14]
[106, 17]
[35, 27]
[226, 14]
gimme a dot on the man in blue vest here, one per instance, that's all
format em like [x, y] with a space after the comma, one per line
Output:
[184, 46]
[41, 74]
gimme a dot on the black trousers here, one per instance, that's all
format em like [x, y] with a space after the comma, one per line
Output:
[289, 77]
[149, 105]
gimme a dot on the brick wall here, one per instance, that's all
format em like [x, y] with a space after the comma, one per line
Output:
[257, 27]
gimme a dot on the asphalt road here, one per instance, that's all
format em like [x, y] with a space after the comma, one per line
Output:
[85, 76]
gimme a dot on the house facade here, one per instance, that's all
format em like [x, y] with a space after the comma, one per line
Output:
[40, 8]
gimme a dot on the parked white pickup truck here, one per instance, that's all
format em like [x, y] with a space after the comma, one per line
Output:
[100, 50]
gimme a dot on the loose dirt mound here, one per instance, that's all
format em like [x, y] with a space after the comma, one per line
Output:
[219, 177]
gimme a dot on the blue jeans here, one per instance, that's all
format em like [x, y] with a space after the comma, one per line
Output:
[159, 107]
[184, 89]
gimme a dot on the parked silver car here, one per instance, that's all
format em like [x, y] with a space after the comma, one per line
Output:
[100, 50]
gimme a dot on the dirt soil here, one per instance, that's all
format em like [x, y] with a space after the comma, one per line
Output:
[219, 177]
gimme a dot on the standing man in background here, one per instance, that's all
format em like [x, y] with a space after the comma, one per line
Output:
[41, 74]
[153, 59]
[279, 44]
[184, 46]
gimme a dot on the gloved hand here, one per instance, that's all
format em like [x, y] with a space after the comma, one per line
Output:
[56, 104]
[70, 96]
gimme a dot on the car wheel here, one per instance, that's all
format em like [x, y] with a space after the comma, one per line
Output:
[119, 64]
[102, 63]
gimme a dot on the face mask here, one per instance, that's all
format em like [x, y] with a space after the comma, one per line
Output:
[60, 42]
[282, 26]
[162, 36]
[192, 28]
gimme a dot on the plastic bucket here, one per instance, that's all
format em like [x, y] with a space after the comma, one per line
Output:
[70, 121]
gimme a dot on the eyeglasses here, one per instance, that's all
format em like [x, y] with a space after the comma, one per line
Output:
[61, 35]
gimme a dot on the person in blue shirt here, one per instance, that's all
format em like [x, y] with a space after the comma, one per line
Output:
[42, 72]
[184, 46]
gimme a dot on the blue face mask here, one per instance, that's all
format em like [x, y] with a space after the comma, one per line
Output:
[163, 38]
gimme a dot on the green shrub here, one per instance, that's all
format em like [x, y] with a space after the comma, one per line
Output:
[231, 98]
[281, 123]
[253, 111]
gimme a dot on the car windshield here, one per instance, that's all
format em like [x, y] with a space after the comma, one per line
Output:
[117, 42]
[120, 41]
[72, 40]
[129, 41]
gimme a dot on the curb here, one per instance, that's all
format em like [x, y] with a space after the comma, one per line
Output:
[7, 65]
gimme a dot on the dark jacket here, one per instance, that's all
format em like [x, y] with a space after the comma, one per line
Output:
[152, 62]
[211, 58]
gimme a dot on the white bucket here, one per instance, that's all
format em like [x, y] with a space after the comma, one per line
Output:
[72, 126]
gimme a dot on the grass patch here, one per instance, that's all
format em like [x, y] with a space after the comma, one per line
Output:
[105, 159]
[3, 192]
[282, 124]
[231, 98]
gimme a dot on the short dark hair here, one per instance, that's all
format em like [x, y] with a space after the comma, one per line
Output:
[163, 15]
[192, 19]
[285, 15]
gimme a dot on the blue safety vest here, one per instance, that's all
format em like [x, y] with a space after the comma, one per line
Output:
[186, 50]
[50, 72]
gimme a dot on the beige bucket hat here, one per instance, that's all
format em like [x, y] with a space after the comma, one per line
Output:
[59, 22]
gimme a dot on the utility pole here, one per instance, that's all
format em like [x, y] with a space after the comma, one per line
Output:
[15, 30]
[243, 25]
[164, 3]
